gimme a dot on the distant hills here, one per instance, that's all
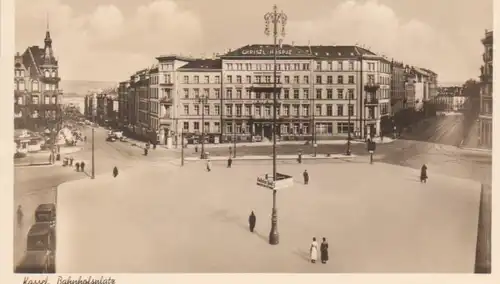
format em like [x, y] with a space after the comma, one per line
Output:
[82, 87]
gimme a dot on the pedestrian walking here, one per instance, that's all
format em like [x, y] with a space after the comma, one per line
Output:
[20, 214]
[115, 171]
[196, 148]
[252, 219]
[299, 158]
[230, 151]
[77, 165]
[145, 151]
[423, 174]
[71, 161]
[324, 251]
[82, 165]
[306, 177]
[209, 166]
[229, 162]
[313, 251]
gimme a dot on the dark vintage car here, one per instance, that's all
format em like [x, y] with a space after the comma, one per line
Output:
[40, 250]
[45, 213]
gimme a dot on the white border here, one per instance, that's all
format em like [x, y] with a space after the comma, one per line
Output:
[6, 199]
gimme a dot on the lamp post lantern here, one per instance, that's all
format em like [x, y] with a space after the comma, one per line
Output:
[275, 19]
[203, 100]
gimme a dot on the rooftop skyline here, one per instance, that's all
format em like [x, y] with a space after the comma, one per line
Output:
[109, 40]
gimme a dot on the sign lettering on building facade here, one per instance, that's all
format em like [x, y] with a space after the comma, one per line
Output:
[265, 52]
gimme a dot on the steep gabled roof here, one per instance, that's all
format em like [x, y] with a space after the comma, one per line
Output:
[207, 64]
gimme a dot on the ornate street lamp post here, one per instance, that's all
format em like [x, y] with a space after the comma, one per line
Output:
[276, 19]
[348, 151]
[203, 100]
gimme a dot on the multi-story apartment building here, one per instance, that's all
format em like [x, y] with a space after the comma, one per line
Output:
[486, 93]
[420, 84]
[38, 99]
[138, 98]
[398, 90]
[450, 99]
[322, 91]
[123, 112]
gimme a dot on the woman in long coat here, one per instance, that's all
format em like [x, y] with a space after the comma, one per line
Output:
[209, 166]
[423, 174]
[324, 251]
[313, 251]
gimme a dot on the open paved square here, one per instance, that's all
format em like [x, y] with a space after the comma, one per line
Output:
[163, 218]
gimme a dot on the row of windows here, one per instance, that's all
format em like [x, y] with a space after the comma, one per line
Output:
[21, 86]
[266, 111]
[36, 100]
[320, 66]
[295, 94]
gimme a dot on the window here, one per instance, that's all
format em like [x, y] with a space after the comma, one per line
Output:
[296, 94]
[329, 79]
[196, 79]
[318, 79]
[306, 79]
[186, 109]
[229, 93]
[351, 79]
[196, 126]
[340, 110]
[185, 126]
[350, 93]
[297, 66]
[267, 111]
[258, 111]
[229, 127]
[267, 79]
[340, 65]
[206, 127]
[206, 109]
[371, 78]
[295, 79]
[305, 110]
[186, 79]
[329, 110]
[258, 79]
[238, 94]
[35, 100]
[229, 110]
[329, 94]
[217, 79]
[295, 110]
[319, 94]
[216, 127]
[229, 79]
[238, 110]
[351, 66]
[340, 79]
[197, 109]
[287, 79]
[186, 93]
[248, 109]
[305, 66]
[344, 127]
[330, 65]
[34, 86]
[217, 109]
[249, 79]
[318, 65]
[317, 110]
[286, 110]
[196, 93]
[306, 94]
[350, 110]
[206, 93]
[207, 79]
[340, 94]
[217, 93]
[238, 79]
[286, 94]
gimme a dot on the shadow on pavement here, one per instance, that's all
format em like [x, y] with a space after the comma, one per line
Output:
[301, 254]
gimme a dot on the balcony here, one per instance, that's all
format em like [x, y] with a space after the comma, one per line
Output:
[488, 56]
[51, 80]
[166, 100]
[371, 101]
[372, 87]
[166, 83]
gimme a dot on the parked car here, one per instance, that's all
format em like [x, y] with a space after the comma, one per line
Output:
[40, 250]
[111, 139]
[123, 139]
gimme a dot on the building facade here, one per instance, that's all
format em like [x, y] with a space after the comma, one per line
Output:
[486, 93]
[322, 92]
[37, 97]
[398, 90]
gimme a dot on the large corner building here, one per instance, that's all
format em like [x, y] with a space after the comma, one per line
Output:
[486, 93]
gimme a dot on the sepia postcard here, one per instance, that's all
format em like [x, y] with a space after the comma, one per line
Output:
[293, 137]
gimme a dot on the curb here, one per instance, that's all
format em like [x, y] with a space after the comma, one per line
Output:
[269, 158]
[34, 165]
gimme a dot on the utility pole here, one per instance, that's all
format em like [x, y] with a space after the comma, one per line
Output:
[182, 147]
[93, 151]
[202, 99]
[275, 19]
[234, 141]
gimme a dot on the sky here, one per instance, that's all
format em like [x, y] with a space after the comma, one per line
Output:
[108, 40]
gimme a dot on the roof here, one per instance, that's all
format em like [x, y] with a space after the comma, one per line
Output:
[208, 64]
[267, 50]
[336, 51]
[46, 207]
[172, 57]
[41, 228]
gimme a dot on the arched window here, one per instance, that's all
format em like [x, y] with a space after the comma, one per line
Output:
[46, 100]
[47, 73]
[54, 99]
[34, 86]
[35, 100]
[54, 73]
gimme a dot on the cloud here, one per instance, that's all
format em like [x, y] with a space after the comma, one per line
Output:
[105, 43]
[378, 27]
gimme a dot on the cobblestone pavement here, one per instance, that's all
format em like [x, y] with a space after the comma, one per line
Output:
[183, 219]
